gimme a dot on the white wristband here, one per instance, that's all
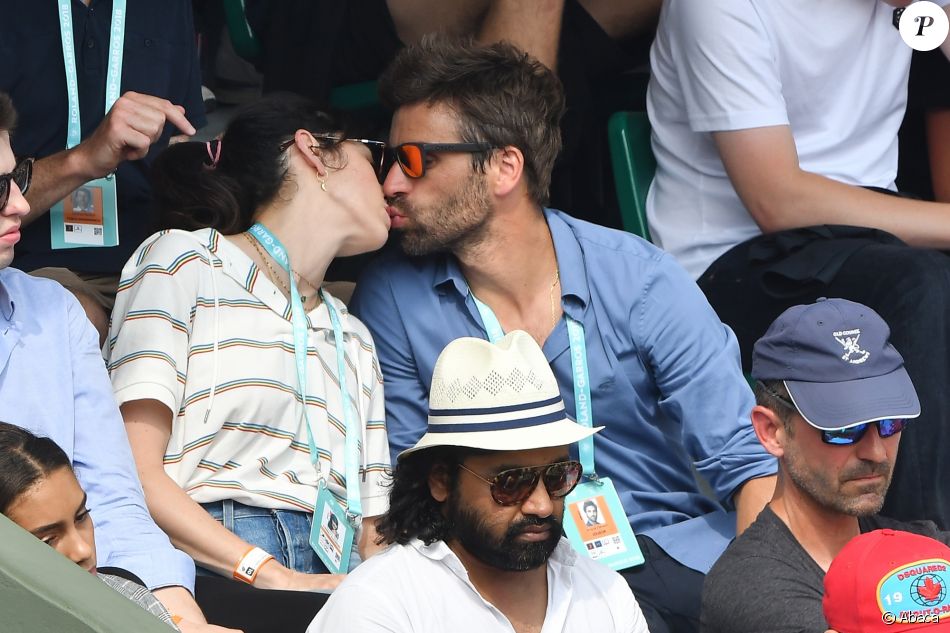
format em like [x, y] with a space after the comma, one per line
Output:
[250, 564]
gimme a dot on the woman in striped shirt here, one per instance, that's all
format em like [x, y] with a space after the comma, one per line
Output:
[231, 437]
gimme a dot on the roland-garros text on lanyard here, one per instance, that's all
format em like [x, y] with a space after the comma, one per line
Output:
[113, 74]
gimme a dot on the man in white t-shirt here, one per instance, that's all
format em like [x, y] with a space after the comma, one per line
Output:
[475, 513]
[775, 132]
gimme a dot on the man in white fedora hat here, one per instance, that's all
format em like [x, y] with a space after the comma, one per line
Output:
[476, 509]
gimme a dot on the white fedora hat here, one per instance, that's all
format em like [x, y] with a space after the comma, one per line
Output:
[497, 396]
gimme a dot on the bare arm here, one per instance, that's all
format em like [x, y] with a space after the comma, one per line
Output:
[179, 602]
[751, 499]
[762, 164]
[190, 527]
[938, 142]
[367, 545]
[126, 133]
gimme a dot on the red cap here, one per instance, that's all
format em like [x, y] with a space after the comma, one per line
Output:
[889, 581]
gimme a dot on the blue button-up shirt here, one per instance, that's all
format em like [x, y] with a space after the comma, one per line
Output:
[53, 382]
[664, 371]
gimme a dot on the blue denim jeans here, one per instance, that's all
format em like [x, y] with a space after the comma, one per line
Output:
[284, 534]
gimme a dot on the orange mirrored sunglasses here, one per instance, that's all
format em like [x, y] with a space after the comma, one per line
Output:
[411, 157]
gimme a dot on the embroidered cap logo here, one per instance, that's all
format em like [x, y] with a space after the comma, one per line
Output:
[852, 351]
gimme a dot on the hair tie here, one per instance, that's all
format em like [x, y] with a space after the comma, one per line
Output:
[214, 156]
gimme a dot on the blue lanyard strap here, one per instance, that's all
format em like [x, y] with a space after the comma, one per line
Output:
[113, 74]
[276, 250]
[584, 412]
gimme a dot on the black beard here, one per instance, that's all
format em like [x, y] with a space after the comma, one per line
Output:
[505, 553]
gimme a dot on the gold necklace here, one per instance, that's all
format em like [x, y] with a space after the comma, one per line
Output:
[313, 286]
[278, 279]
[554, 284]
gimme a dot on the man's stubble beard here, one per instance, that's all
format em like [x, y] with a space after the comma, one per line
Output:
[828, 494]
[458, 223]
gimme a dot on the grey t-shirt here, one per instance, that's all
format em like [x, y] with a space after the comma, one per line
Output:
[766, 581]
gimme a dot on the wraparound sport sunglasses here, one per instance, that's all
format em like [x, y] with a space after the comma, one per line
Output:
[412, 157]
[851, 434]
[513, 486]
[22, 174]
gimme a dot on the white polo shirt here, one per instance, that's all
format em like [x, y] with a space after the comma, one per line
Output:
[426, 589]
[245, 439]
[834, 72]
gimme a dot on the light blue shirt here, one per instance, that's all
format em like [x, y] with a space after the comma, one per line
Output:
[664, 371]
[53, 382]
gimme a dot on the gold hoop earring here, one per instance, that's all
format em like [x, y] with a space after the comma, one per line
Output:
[323, 184]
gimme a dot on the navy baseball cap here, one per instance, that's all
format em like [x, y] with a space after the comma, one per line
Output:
[837, 364]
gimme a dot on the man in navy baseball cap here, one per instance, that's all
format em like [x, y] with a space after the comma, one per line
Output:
[832, 397]
[834, 359]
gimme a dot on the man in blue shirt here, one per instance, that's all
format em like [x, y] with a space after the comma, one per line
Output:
[475, 133]
[53, 382]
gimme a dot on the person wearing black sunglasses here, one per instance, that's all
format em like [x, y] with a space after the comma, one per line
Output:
[832, 399]
[267, 207]
[476, 510]
[14, 182]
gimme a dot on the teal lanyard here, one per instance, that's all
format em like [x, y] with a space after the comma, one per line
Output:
[583, 406]
[299, 319]
[113, 75]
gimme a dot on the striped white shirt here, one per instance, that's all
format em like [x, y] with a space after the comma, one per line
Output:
[246, 438]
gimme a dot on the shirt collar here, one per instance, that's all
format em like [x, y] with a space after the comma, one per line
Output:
[564, 555]
[236, 265]
[6, 303]
[570, 261]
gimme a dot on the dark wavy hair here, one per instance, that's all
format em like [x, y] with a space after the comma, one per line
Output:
[502, 96]
[190, 193]
[413, 512]
[24, 460]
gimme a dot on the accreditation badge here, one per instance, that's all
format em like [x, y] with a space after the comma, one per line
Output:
[86, 217]
[596, 525]
[331, 534]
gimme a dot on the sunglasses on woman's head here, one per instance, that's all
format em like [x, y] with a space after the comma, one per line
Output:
[511, 487]
[412, 157]
[21, 175]
[853, 434]
[377, 149]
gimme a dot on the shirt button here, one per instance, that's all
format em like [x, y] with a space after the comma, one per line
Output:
[90, 44]
[148, 42]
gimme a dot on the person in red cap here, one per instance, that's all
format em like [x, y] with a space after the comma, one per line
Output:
[888, 581]
[832, 397]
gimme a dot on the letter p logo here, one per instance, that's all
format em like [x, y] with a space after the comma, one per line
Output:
[924, 25]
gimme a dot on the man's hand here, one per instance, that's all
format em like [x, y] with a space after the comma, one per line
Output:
[129, 129]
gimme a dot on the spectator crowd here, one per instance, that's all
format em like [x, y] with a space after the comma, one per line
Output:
[519, 418]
